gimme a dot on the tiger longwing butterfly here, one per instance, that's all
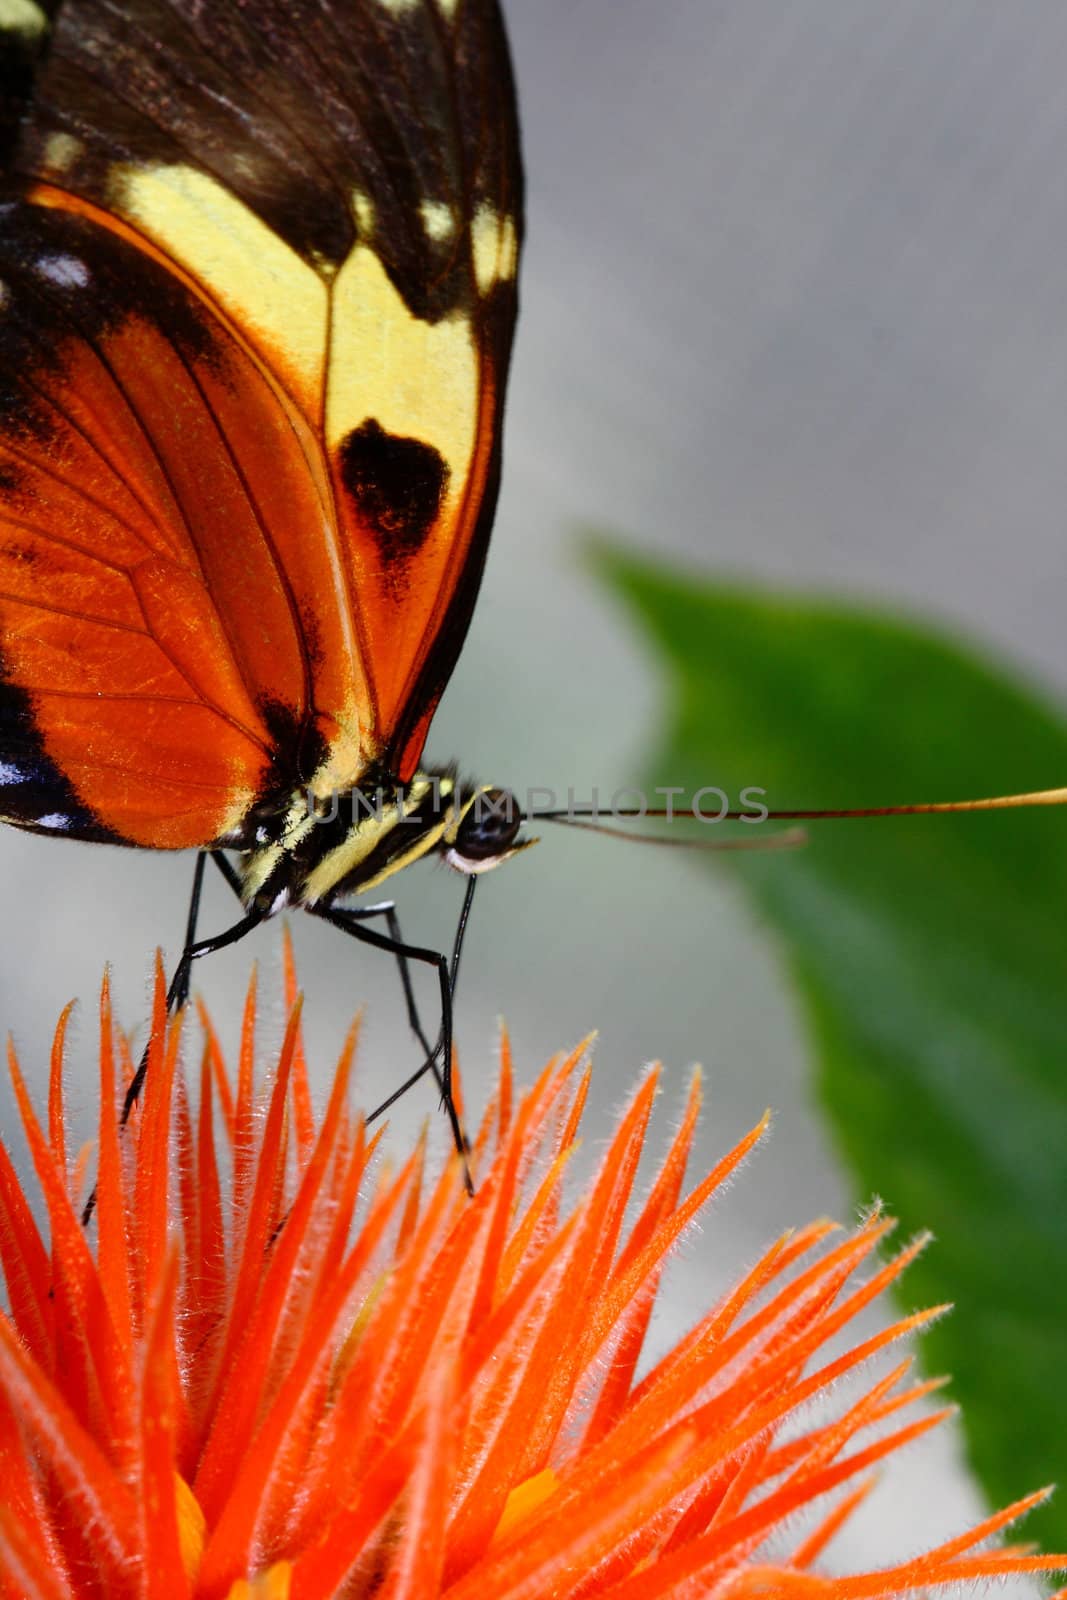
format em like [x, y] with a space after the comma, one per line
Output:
[258, 267]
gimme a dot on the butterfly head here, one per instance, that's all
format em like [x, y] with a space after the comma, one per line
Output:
[315, 850]
[486, 831]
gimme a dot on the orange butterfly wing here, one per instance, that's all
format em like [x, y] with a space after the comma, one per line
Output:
[256, 317]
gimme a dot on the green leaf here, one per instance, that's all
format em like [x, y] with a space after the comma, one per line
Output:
[930, 952]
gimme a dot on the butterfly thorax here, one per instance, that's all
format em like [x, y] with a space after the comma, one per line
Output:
[306, 849]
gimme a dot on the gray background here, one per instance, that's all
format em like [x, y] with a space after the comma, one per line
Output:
[794, 307]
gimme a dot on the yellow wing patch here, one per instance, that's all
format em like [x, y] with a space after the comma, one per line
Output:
[416, 379]
[268, 290]
[353, 338]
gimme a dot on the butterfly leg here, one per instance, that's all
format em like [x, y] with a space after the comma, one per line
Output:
[178, 993]
[444, 1082]
[190, 924]
[179, 987]
[387, 910]
[228, 870]
[354, 924]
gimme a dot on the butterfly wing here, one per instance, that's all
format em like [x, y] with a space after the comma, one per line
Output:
[259, 287]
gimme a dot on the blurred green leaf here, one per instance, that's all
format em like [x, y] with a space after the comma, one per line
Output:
[931, 954]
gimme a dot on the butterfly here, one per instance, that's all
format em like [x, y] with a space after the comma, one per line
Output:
[258, 287]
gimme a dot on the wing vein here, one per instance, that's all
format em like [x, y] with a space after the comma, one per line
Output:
[195, 157]
[48, 470]
[278, 565]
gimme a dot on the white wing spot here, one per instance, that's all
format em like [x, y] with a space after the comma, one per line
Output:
[61, 150]
[399, 8]
[363, 211]
[9, 773]
[495, 247]
[67, 272]
[438, 220]
[22, 16]
[54, 819]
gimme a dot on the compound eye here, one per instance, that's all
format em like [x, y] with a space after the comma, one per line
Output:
[490, 826]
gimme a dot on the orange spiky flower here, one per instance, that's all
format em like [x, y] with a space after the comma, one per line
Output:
[289, 1373]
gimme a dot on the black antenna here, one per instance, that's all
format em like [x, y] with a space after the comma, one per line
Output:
[587, 816]
[790, 839]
